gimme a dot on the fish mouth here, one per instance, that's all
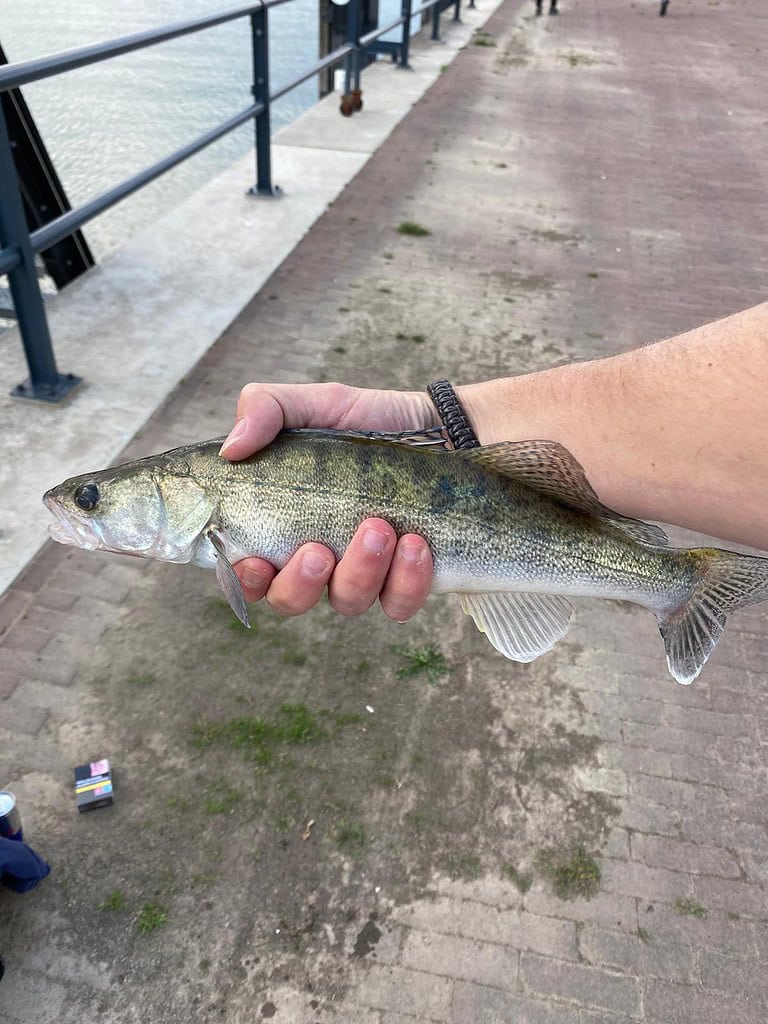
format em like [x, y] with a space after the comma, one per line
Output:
[66, 530]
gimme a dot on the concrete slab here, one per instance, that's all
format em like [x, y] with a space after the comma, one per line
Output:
[137, 323]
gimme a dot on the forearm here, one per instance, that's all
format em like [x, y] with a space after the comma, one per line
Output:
[676, 431]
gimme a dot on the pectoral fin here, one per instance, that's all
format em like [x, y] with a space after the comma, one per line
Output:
[520, 626]
[229, 581]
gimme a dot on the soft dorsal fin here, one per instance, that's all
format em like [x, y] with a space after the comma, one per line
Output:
[549, 468]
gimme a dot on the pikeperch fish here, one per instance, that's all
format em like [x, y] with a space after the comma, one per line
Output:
[514, 528]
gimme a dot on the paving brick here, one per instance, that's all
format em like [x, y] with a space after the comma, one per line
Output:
[645, 816]
[22, 717]
[729, 895]
[37, 666]
[37, 574]
[714, 830]
[617, 844]
[688, 857]
[589, 986]
[666, 739]
[479, 921]
[610, 909]
[589, 1017]
[714, 931]
[602, 780]
[739, 977]
[670, 792]
[633, 879]
[624, 708]
[13, 604]
[58, 600]
[482, 962]
[669, 1003]
[405, 991]
[710, 721]
[641, 954]
[22, 637]
[90, 584]
[473, 1004]
[8, 683]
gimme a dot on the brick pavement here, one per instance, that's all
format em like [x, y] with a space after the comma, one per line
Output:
[589, 183]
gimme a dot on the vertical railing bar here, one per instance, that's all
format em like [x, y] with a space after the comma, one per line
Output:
[435, 23]
[260, 41]
[45, 382]
[406, 41]
[457, 11]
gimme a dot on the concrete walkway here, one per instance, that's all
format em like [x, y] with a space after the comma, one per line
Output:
[589, 182]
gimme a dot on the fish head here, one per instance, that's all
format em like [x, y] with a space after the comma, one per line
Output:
[135, 509]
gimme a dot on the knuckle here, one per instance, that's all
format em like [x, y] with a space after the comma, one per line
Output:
[286, 606]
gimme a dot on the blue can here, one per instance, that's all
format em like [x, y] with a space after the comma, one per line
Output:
[10, 819]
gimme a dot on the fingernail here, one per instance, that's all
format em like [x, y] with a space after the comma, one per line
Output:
[375, 541]
[313, 564]
[235, 434]
[252, 578]
[411, 551]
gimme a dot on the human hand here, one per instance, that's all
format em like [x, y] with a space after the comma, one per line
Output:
[377, 564]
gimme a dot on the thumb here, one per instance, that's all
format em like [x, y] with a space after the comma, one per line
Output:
[264, 409]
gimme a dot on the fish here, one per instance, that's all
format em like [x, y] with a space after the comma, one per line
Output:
[514, 528]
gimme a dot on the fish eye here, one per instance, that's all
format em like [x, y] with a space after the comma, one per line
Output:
[87, 497]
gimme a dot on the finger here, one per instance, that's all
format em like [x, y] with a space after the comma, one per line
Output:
[256, 575]
[361, 573]
[300, 583]
[410, 578]
[264, 409]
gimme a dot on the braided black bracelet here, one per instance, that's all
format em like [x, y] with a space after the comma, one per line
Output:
[457, 426]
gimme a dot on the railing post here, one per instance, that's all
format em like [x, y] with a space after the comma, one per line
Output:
[405, 11]
[436, 23]
[260, 40]
[351, 100]
[45, 382]
[457, 11]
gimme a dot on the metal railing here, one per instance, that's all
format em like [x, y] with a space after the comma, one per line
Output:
[18, 247]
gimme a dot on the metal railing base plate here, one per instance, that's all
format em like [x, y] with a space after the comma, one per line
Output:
[64, 386]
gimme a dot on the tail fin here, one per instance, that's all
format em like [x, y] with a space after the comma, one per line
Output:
[691, 632]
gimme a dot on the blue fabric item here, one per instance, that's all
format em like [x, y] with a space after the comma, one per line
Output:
[20, 867]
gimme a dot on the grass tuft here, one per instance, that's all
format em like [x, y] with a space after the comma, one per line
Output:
[142, 679]
[258, 739]
[522, 882]
[350, 836]
[689, 908]
[151, 916]
[574, 874]
[221, 798]
[115, 901]
[427, 660]
[410, 227]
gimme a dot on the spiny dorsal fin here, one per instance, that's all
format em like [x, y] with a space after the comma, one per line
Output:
[550, 469]
[431, 437]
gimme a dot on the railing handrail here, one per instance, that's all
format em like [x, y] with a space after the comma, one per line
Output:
[18, 246]
[37, 68]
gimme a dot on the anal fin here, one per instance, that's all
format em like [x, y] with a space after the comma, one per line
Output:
[522, 627]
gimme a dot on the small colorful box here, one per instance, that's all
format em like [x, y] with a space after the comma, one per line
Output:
[93, 785]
